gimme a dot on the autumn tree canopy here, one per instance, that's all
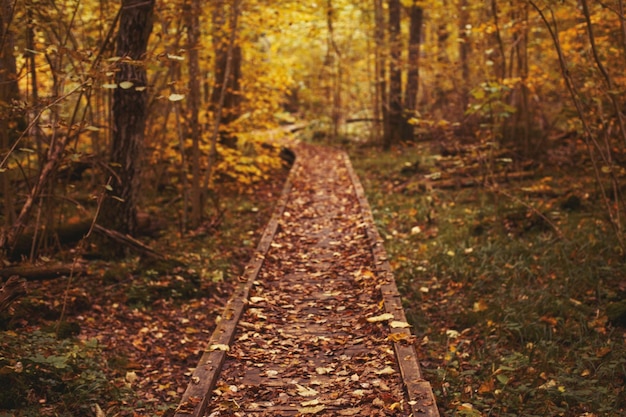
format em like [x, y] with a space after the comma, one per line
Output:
[517, 75]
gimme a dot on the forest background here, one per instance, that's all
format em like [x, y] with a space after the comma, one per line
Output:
[148, 127]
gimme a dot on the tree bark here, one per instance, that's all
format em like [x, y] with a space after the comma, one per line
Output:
[412, 84]
[500, 65]
[336, 73]
[9, 92]
[119, 211]
[225, 52]
[193, 44]
[395, 76]
[233, 54]
[381, 110]
[464, 53]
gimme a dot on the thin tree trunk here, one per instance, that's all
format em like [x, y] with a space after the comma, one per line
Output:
[9, 92]
[119, 211]
[395, 76]
[501, 65]
[382, 105]
[337, 73]
[464, 53]
[622, 25]
[412, 84]
[227, 53]
[193, 44]
[219, 108]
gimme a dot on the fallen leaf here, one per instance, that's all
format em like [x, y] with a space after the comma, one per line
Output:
[382, 317]
[388, 370]
[219, 346]
[398, 337]
[99, 412]
[131, 377]
[486, 387]
[399, 324]
[305, 391]
[480, 306]
[312, 410]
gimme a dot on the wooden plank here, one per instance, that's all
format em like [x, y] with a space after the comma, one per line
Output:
[421, 397]
[198, 393]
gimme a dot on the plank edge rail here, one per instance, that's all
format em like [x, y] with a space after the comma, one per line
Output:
[196, 397]
[421, 398]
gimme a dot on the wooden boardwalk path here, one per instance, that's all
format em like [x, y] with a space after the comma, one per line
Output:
[316, 326]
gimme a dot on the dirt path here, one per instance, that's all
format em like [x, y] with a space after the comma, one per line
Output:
[316, 337]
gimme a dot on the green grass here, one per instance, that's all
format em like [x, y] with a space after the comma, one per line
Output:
[511, 319]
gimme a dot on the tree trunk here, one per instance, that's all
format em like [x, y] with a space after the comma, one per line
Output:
[464, 53]
[226, 51]
[232, 61]
[119, 211]
[336, 73]
[412, 82]
[9, 92]
[395, 76]
[193, 44]
[500, 64]
[381, 104]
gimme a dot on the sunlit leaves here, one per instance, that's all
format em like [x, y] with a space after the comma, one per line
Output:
[176, 97]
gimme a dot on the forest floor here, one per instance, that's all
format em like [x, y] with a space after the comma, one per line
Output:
[133, 330]
[509, 289]
[511, 275]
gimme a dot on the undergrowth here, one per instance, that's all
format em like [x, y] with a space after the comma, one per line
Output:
[133, 327]
[511, 317]
[39, 371]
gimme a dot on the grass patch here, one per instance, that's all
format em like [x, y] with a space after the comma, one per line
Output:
[511, 318]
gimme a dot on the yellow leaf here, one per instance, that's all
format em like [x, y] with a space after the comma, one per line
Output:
[382, 317]
[219, 346]
[399, 324]
[176, 97]
[480, 306]
[312, 410]
[398, 337]
[305, 391]
[388, 370]
[131, 376]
